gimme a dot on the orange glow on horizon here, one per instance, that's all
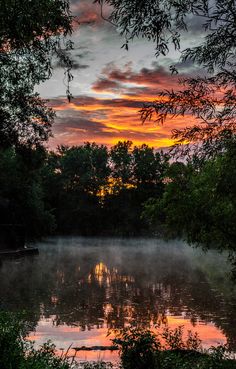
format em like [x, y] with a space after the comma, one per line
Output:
[117, 120]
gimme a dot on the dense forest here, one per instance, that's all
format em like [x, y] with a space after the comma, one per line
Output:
[125, 190]
[83, 189]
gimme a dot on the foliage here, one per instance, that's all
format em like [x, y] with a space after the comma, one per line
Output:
[25, 26]
[21, 193]
[12, 328]
[209, 97]
[141, 349]
[87, 190]
[83, 189]
[16, 352]
[45, 357]
[148, 166]
[84, 167]
[30, 37]
[98, 365]
[199, 202]
[137, 348]
[93, 190]
[121, 161]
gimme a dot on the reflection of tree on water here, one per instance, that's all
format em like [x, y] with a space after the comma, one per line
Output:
[96, 287]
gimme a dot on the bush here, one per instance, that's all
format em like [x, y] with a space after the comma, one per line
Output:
[16, 352]
[142, 349]
[98, 365]
[139, 349]
[12, 345]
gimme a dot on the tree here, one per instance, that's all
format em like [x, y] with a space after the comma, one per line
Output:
[169, 214]
[21, 191]
[199, 202]
[84, 168]
[72, 181]
[121, 161]
[32, 33]
[211, 99]
[136, 175]
[30, 24]
[148, 166]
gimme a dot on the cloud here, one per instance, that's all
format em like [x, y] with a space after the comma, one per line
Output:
[73, 58]
[88, 103]
[146, 80]
[108, 89]
[73, 128]
[112, 113]
[84, 52]
[88, 13]
[107, 121]
[104, 84]
[77, 65]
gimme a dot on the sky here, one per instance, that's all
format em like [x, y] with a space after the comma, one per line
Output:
[111, 85]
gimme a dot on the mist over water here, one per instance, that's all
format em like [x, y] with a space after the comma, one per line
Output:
[78, 288]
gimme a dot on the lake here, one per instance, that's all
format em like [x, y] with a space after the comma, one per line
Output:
[77, 289]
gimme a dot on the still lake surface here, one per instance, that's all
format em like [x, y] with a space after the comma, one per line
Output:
[77, 289]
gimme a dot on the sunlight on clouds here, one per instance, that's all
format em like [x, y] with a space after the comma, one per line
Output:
[112, 111]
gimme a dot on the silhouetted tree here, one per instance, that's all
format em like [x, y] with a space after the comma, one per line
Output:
[21, 188]
[209, 97]
[121, 160]
[31, 34]
[148, 166]
[199, 202]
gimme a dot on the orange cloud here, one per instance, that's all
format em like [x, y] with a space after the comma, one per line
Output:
[107, 120]
[156, 77]
[87, 12]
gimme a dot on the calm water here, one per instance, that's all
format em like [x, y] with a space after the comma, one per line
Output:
[78, 288]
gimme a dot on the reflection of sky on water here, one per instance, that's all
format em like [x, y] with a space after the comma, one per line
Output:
[79, 288]
[63, 336]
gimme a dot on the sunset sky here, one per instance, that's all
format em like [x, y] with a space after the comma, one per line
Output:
[111, 84]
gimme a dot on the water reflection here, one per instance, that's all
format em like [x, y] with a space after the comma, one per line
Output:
[78, 288]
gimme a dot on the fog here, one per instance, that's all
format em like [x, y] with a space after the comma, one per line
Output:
[95, 284]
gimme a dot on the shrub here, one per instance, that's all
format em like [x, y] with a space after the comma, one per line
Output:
[142, 349]
[16, 352]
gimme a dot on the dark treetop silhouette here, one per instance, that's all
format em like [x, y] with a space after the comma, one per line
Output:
[210, 97]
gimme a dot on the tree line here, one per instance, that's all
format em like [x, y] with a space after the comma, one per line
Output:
[92, 190]
[85, 189]
[124, 191]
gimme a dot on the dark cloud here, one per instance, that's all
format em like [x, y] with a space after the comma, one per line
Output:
[105, 121]
[104, 84]
[145, 76]
[73, 122]
[152, 79]
[84, 54]
[137, 92]
[87, 101]
[77, 65]
[79, 127]
[186, 67]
